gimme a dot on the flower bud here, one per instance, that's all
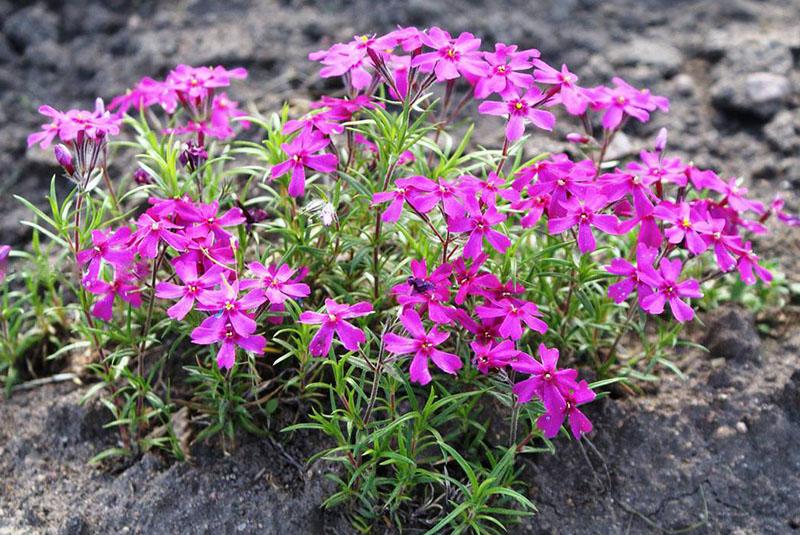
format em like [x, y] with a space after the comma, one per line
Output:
[64, 158]
[581, 139]
[194, 155]
[661, 140]
[141, 177]
[4, 251]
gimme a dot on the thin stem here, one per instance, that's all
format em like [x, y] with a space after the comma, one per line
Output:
[503, 157]
[378, 227]
[111, 191]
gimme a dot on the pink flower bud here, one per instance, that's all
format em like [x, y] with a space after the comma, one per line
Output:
[661, 140]
[578, 138]
[64, 158]
[4, 251]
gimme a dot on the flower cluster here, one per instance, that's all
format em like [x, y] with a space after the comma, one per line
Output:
[187, 252]
[197, 91]
[195, 242]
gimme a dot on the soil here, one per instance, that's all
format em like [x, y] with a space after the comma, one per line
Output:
[715, 452]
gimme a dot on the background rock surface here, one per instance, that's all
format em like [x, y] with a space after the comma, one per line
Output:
[717, 451]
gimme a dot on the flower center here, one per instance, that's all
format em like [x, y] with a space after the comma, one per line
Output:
[192, 288]
[154, 226]
[331, 317]
[228, 305]
[562, 182]
[621, 100]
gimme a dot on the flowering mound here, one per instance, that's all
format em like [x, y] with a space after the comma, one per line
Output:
[365, 268]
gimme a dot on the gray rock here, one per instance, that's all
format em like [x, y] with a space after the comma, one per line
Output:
[758, 94]
[655, 53]
[731, 334]
[31, 25]
[783, 131]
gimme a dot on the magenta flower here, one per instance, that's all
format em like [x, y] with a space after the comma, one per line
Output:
[122, 286]
[532, 207]
[4, 252]
[194, 288]
[667, 289]
[618, 184]
[684, 220]
[504, 76]
[50, 130]
[561, 178]
[551, 421]
[334, 321]
[585, 214]
[230, 307]
[520, 109]
[624, 99]
[748, 265]
[431, 291]
[471, 281]
[423, 346]
[151, 232]
[547, 382]
[206, 220]
[277, 283]
[493, 356]
[347, 58]
[302, 152]
[725, 245]
[113, 248]
[620, 291]
[412, 190]
[452, 57]
[213, 332]
[479, 226]
[486, 189]
[514, 312]
[656, 168]
[572, 96]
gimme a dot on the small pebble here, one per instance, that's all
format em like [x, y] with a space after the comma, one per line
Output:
[741, 427]
[723, 432]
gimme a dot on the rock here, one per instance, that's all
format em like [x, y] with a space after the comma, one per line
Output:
[655, 53]
[31, 25]
[741, 427]
[732, 335]
[684, 85]
[783, 131]
[6, 53]
[620, 147]
[723, 432]
[758, 94]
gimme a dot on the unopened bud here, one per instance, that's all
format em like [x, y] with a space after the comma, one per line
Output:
[141, 177]
[64, 158]
[194, 155]
[581, 139]
[661, 140]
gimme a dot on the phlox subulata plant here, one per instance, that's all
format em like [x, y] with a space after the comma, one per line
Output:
[432, 307]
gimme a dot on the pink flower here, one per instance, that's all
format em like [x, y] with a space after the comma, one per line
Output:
[334, 321]
[618, 184]
[486, 189]
[194, 288]
[113, 248]
[547, 382]
[219, 331]
[151, 232]
[514, 313]
[277, 283]
[493, 356]
[471, 281]
[121, 287]
[347, 58]
[479, 226]
[620, 291]
[667, 289]
[656, 168]
[519, 110]
[412, 190]
[551, 421]
[206, 220]
[748, 264]
[230, 307]
[452, 57]
[572, 96]
[504, 76]
[4, 252]
[725, 245]
[585, 214]
[624, 99]
[423, 347]
[431, 291]
[302, 152]
[684, 220]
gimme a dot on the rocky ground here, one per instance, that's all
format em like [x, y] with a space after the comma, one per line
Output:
[716, 453]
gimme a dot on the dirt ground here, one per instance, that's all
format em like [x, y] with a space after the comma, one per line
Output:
[714, 453]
